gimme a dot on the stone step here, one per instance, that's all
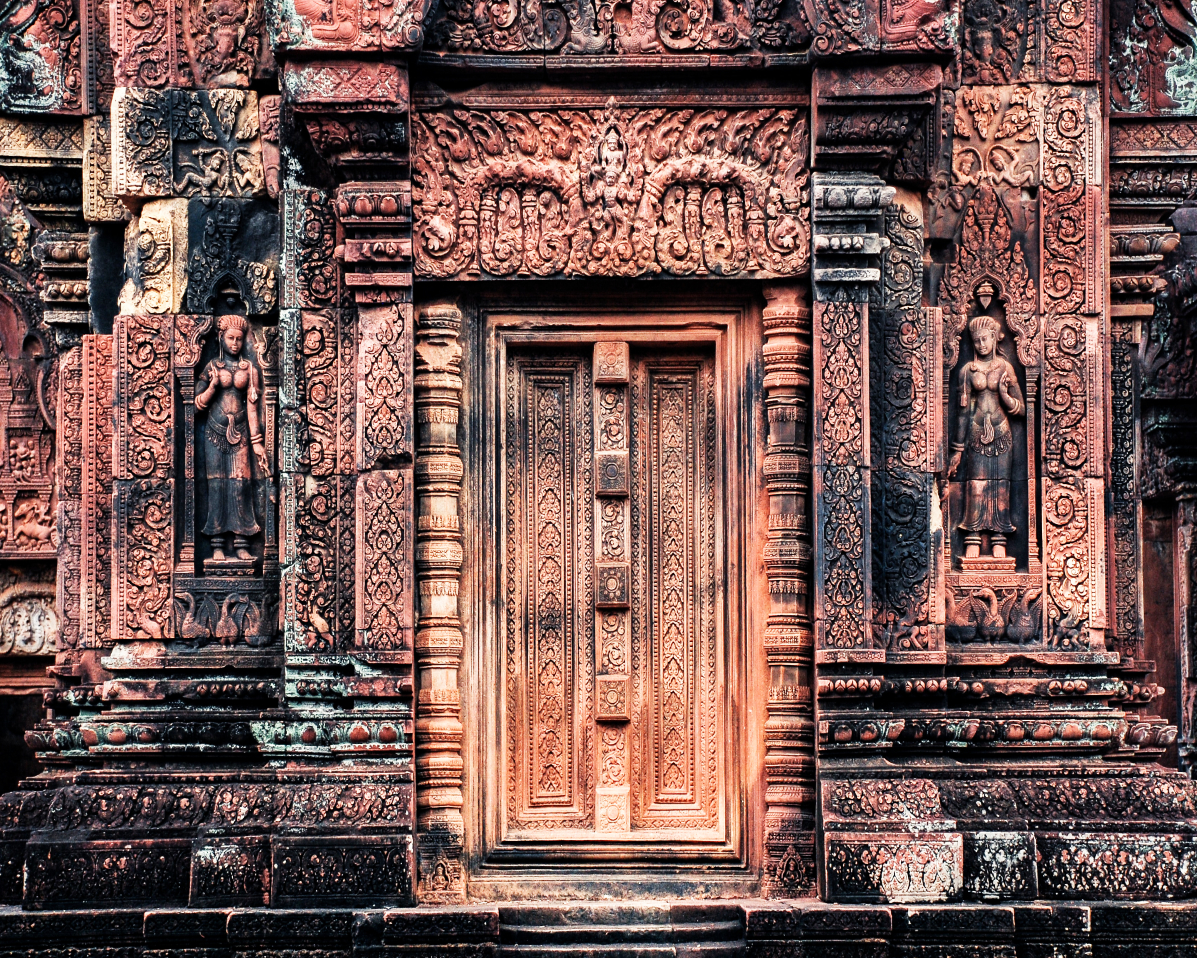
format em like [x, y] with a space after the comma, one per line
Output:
[694, 949]
[707, 931]
[622, 930]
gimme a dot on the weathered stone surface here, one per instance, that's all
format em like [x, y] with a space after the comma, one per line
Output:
[687, 458]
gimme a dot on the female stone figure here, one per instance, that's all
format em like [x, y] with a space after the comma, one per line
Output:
[984, 442]
[230, 389]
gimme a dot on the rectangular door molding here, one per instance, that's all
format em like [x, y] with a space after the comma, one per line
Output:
[612, 509]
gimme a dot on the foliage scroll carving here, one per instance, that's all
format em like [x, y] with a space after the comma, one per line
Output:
[611, 192]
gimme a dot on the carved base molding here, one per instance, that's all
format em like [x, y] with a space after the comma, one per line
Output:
[950, 832]
[288, 839]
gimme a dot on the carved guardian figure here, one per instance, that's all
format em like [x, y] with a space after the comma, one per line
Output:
[230, 390]
[984, 442]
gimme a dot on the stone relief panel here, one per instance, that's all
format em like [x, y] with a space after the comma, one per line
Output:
[662, 32]
[1153, 58]
[226, 573]
[348, 26]
[56, 57]
[655, 30]
[991, 367]
[29, 622]
[1015, 200]
[189, 43]
[187, 143]
[606, 189]
[28, 395]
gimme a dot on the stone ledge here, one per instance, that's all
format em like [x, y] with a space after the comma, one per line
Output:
[754, 928]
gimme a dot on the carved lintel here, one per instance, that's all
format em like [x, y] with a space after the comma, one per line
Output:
[615, 189]
[580, 35]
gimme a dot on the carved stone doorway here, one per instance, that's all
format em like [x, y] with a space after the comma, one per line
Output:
[612, 457]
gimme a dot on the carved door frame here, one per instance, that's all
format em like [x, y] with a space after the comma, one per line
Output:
[731, 324]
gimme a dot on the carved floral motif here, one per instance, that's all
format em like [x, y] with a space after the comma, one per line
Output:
[652, 28]
[188, 43]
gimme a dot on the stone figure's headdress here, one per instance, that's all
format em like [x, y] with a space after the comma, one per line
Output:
[232, 321]
[979, 323]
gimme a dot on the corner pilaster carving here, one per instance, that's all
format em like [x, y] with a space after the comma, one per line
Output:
[848, 226]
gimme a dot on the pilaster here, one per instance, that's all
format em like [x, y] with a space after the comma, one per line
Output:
[789, 631]
[439, 640]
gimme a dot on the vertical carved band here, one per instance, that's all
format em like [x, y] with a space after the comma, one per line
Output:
[439, 642]
[95, 607]
[906, 357]
[842, 475]
[143, 520]
[69, 479]
[848, 220]
[612, 370]
[1184, 558]
[1124, 522]
[1073, 293]
[789, 636]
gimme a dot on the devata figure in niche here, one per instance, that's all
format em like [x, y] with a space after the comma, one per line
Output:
[984, 445]
[230, 390]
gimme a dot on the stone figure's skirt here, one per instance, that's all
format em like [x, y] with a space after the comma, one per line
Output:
[230, 500]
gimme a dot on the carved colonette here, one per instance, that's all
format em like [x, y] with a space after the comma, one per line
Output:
[789, 634]
[439, 638]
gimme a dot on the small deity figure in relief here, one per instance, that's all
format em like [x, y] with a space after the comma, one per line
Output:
[229, 390]
[984, 442]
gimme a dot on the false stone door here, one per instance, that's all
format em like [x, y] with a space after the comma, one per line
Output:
[613, 732]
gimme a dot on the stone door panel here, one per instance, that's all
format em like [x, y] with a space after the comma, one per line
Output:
[611, 674]
[611, 459]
